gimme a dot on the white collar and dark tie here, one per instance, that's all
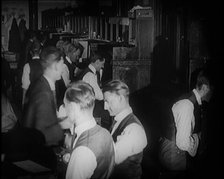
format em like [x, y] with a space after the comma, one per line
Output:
[120, 117]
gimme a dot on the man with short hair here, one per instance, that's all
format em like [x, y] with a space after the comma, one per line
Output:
[93, 151]
[128, 133]
[180, 143]
[32, 69]
[40, 112]
[92, 75]
[72, 54]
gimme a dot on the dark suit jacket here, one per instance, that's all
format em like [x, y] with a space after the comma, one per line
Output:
[40, 112]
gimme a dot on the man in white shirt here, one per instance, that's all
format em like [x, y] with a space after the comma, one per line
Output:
[32, 69]
[93, 151]
[176, 150]
[72, 55]
[92, 75]
[128, 133]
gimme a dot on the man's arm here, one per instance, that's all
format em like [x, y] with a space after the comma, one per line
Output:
[82, 164]
[46, 118]
[25, 81]
[131, 141]
[185, 139]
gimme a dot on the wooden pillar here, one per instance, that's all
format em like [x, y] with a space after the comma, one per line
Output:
[33, 14]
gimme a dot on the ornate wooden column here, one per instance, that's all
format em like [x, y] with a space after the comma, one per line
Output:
[33, 14]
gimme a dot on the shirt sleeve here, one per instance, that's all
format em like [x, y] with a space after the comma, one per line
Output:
[131, 141]
[65, 75]
[26, 76]
[92, 80]
[82, 164]
[184, 119]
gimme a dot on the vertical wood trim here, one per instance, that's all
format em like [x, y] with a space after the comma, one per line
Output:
[106, 38]
[90, 27]
[95, 24]
[101, 27]
[111, 32]
[117, 31]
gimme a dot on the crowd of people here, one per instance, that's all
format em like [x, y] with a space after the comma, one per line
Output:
[67, 107]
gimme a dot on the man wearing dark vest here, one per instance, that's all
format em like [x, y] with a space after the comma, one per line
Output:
[128, 133]
[72, 54]
[93, 150]
[180, 144]
[32, 69]
[92, 75]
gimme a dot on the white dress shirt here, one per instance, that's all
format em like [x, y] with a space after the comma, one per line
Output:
[83, 161]
[183, 112]
[26, 74]
[92, 80]
[131, 141]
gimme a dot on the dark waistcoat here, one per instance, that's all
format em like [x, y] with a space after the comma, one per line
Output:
[171, 129]
[71, 69]
[85, 71]
[99, 141]
[36, 69]
[131, 167]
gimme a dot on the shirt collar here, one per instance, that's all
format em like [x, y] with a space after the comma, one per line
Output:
[51, 83]
[85, 126]
[68, 59]
[198, 97]
[36, 57]
[92, 68]
[120, 116]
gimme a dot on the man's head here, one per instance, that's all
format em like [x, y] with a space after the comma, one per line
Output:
[52, 62]
[79, 100]
[97, 60]
[203, 85]
[35, 49]
[74, 52]
[116, 97]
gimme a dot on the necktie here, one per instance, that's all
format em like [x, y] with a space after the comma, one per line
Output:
[112, 125]
[73, 139]
[98, 78]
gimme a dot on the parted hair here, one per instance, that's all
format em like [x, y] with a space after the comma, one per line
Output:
[73, 47]
[49, 55]
[118, 87]
[97, 55]
[81, 93]
[203, 78]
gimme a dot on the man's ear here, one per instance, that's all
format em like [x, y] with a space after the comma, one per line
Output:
[205, 88]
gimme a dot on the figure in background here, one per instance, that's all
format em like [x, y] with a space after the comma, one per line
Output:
[72, 54]
[92, 75]
[179, 146]
[127, 131]
[32, 70]
[93, 150]
[31, 39]
[40, 111]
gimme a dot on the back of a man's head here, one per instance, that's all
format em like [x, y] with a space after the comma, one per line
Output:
[81, 93]
[49, 55]
[36, 48]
